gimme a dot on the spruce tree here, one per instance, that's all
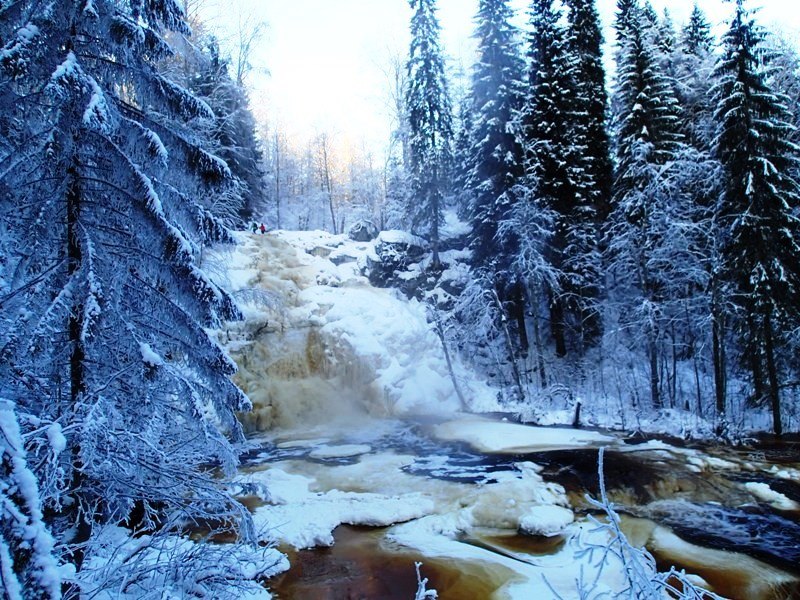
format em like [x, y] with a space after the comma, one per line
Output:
[232, 131]
[107, 198]
[696, 36]
[560, 176]
[496, 157]
[647, 139]
[585, 41]
[758, 207]
[430, 125]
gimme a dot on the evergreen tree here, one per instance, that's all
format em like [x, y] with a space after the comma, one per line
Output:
[647, 139]
[232, 131]
[103, 304]
[28, 568]
[758, 207]
[496, 157]
[430, 125]
[696, 36]
[559, 175]
[693, 65]
[585, 42]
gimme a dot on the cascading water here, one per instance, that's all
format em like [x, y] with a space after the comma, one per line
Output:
[355, 441]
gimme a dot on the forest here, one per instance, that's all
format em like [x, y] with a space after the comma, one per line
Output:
[587, 233]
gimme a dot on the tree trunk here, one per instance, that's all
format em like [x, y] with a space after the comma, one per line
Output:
[652, 351]
[557, 325]
[510, 344]
[537, 338]
[718, 351]
[77, 355]
[772, 372]
[278, 179]
[440, 332]
[518, 314]
[756, 367]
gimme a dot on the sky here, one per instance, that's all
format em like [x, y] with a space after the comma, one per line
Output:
[320, 67]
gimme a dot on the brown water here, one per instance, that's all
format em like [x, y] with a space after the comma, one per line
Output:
[361, 565]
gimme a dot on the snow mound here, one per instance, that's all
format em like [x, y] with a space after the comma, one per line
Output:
[495, 437]
[301, 518]
[546, 520]
[763, 492]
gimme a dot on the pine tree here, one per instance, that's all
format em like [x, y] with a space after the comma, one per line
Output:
[495, 157]
[560, 176]
[693, 65]
[758, 207]
[104, 308]
[585, 42]
[696, 35]
[647, 139]
[495, 162]
[232, 133]
[430, 125]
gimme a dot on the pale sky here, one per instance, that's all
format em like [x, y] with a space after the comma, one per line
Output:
[325, 57]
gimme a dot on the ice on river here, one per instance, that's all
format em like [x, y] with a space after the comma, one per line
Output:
[495, 437]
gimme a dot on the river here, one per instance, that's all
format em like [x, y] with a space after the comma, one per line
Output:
[356, 491]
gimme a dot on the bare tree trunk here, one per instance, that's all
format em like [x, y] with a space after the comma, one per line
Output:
[537, 339]
[510, 344]
[327, 181]
[77, 356]
[440, 332]
[278, 179]
[772, 373]
[718, 352]
[652, 351]
[557, 325]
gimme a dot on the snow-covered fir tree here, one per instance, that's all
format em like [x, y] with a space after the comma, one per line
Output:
[107, 198]
[585, 41]
[696, 37]
[758, 207]
[232, 131]
[645, 117]
[430, 125]
[495, 158]
[558, 176]
[28, 567]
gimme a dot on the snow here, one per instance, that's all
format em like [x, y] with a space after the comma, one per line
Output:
[763, 492]
[301, 518]
[149, 356]
[396, 236]
[525, 577]
[56, 438]
[494, 437]
[66, 68]
[121, 567]
[547, 520]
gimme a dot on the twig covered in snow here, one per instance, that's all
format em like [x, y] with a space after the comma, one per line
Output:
[643, 581]
[422, 585]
